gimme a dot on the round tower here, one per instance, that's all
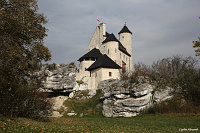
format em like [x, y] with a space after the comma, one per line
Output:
[110, 46]
[125, 37]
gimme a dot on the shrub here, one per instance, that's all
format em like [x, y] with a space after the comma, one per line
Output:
[25, 101]
[174, 105]
[51, 67]
[183, 74]
[79, 82]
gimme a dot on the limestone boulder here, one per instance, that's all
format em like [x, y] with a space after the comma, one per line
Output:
[142, 89]
[125, 98]
[163, 94]
[61, 78]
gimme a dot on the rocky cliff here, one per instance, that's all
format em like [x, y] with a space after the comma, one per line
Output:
[58, 80]
[126, 98]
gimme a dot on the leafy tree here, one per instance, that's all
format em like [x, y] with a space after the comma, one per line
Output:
[21, 51]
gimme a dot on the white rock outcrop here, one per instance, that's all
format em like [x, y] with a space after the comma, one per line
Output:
[62, 78]
[127, 99]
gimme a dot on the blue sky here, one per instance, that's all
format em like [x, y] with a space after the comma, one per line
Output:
[161, 28]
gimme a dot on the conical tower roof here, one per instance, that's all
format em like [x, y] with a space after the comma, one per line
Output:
[125, 30]
[110, 37]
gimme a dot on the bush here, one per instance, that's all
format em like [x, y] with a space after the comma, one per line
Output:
[174, 105]
[51, 67]
[182, 74]
[79, 82]
[24, 102]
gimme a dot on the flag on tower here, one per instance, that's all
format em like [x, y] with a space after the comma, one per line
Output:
[98, 20]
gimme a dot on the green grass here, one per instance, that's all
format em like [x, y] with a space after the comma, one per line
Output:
[87, 107]
[95, 122]
[169, 123]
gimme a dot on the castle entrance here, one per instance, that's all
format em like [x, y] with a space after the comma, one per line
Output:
[123, 67]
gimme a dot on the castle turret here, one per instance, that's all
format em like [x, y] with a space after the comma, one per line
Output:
[102, 31]
[110, 46]
[125, 37]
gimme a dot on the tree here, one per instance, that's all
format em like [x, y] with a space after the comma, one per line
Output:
[21, 49]
[197, 45]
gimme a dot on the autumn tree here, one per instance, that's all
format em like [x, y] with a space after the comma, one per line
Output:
[21, 52]
[196, 44]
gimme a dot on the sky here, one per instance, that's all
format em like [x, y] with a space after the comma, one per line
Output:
[161, 28]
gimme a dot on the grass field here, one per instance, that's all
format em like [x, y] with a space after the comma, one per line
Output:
[144, 123]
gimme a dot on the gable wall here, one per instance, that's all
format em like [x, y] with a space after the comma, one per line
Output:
[101, 74]
[95, 39]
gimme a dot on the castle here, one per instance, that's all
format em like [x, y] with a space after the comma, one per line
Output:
[107, 57]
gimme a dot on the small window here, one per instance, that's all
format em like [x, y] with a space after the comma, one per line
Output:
[115, 50]
[120, 55]
[96, 74]
[108, 51]
[122, 36]
[110, 74]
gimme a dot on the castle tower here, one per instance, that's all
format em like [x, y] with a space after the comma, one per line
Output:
[125, 37]
[102, 31]
[98, 36]
[110, 46]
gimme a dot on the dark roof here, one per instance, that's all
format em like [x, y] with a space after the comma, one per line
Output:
[125, 30]
[94, 53]
[107, 34]
[103, 62]
[110, 37]
[123, 49]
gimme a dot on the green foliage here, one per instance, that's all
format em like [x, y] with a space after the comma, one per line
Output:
[21, 52]
[79, 82]
[25, 102]
[72, 65]
[89, 107]
[167, 123]
[51, 67]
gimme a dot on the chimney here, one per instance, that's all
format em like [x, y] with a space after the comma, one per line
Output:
[103, 28]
